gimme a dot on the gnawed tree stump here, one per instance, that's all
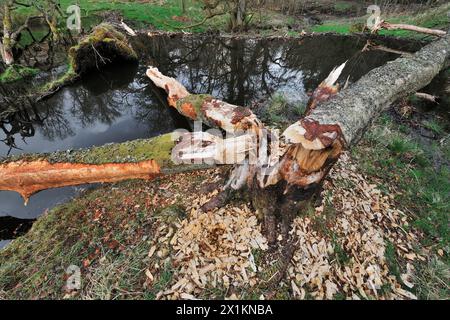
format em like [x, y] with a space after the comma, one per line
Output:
[104, 45]
[316, 141]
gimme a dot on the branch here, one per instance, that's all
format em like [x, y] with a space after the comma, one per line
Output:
[22, 4]
[426, 96]
[25, 25]
[371, 46]
[389, 26]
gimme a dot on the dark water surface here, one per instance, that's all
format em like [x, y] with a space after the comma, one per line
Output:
[120, 104]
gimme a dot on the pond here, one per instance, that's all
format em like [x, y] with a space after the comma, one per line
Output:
[119, 104]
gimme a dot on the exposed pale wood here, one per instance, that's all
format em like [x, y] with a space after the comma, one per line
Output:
[27, 174]
[130, 31]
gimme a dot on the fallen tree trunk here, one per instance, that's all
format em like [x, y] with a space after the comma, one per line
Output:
[316, 141]
[28, 178]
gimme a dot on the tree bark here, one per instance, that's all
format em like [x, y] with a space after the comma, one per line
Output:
[316, 141]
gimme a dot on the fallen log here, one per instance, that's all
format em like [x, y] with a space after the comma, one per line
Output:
[426, 96]
[28, 178]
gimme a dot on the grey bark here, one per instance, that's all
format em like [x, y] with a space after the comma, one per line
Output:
[353, 109]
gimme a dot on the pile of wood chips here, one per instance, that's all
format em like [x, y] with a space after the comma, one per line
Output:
[363, 223]
[215, 249]
[346, 257]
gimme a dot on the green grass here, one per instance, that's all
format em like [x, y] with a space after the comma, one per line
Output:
[434, 126]
[111, 249]
[392, 260]
[141, 14]
[432, 279]
[399, 160]
[333, 27]
[16, 72]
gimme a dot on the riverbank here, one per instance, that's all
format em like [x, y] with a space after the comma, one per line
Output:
[344, 17]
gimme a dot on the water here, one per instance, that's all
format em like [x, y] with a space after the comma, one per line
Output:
[120, 104]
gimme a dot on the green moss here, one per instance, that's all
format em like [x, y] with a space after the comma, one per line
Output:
[196, 100]
[16, 72]
[68, 77]
[157, 148]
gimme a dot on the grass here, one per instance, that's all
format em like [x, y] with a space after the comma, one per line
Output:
[342, 6]
[393, 156]
[400, 160]
[16, 72]
[280, 113]
[434, 126]
[108, 244]
[432, 279]
[341, 28]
